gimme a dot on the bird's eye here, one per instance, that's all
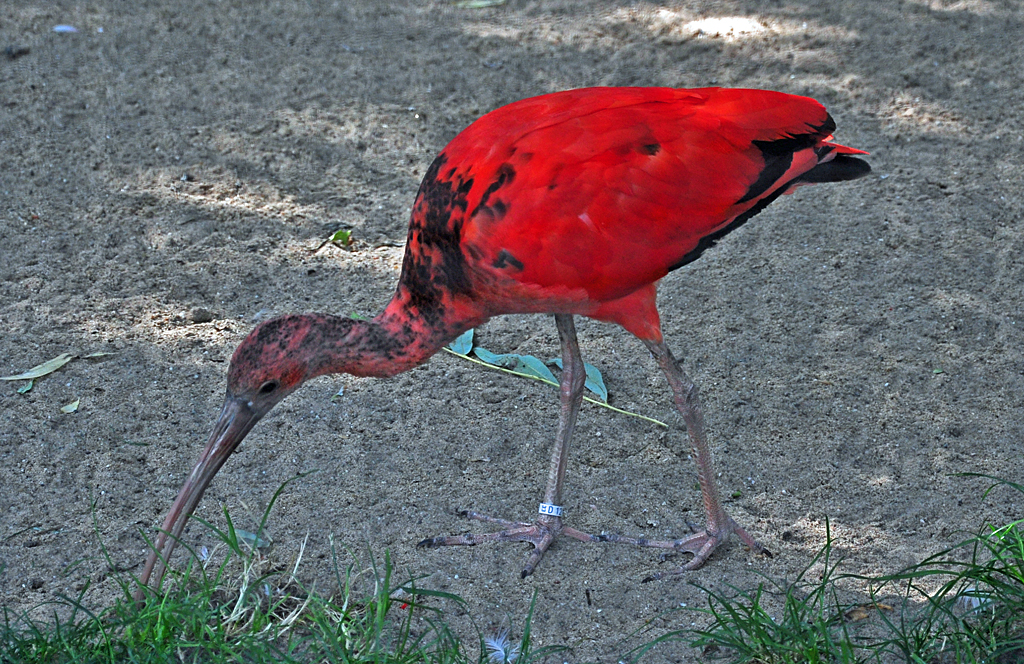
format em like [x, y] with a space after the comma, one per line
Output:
[268, 387]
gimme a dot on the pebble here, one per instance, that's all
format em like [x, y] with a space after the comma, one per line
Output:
[14, 52]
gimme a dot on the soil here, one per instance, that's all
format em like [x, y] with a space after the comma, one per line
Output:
[170, 173]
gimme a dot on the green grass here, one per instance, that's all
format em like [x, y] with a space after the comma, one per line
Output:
[808, 627]
[239, 611]
[963, 605]
[248, 608]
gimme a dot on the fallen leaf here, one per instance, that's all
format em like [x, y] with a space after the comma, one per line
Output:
[463, 344]
[861, 612]
[71, 407]
[43, 369]
[252, 538]
[478, 4]
[595, 382]
[342, 237]
[506, 360]
[530, 365]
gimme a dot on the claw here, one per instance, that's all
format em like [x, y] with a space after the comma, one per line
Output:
[438, 542]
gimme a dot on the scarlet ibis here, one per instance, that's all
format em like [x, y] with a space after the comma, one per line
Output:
[572, 203]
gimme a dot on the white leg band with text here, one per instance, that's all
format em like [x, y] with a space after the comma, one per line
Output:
[550, 510]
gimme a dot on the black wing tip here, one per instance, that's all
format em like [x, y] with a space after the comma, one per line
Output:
[842, 168]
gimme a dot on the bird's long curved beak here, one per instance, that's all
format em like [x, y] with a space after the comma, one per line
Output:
[236, 420]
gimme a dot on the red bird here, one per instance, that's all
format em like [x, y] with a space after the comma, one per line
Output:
[572, 203]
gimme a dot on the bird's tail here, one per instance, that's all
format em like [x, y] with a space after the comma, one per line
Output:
[836, 165]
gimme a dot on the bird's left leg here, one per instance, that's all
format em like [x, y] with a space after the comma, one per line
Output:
[549, 525]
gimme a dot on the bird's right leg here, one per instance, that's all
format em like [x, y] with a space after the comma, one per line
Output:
[548, 526]
[719, 525]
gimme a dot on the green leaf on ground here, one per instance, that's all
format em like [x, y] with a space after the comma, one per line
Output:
[595, 383]
[505, 360]
[523, 364]
[252, 539]
[463, 344]
[478, 4]
[530, 365]
[71, 407]
[47, 368]
[44, 369]
[342, 237]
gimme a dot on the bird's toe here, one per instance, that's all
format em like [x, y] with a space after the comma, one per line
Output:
[430, 543]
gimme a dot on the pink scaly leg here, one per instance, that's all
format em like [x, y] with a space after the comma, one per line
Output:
[719, 524]
[547, 528]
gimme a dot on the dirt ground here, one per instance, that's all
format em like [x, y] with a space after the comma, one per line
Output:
[170, 171]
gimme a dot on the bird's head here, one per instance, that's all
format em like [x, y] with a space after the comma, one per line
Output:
[271, 363]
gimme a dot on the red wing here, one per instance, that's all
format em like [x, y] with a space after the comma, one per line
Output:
[608, 189]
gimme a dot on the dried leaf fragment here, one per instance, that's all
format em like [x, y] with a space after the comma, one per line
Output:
[43, 369]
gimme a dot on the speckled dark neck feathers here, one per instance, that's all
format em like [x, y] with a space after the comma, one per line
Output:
[318, 344]
[294, 348]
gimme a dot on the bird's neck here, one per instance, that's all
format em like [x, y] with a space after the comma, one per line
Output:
[399, 338]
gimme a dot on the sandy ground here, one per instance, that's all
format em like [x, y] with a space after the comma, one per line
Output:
[169, 174]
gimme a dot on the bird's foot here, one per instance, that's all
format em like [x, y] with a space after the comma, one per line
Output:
[541, 534]
[701, 544]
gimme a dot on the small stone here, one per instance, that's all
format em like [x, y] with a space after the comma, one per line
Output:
[31, 543]
[492, 395]
[35, 583]
[15, 52]
[201, 315]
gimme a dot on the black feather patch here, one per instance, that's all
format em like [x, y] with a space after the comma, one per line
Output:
[506, 259]
[840, 169]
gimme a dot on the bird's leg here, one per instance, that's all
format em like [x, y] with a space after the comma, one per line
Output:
[548, 526]
[719, 524]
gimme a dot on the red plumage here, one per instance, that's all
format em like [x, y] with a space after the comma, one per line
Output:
[572, 203]
[606, 189]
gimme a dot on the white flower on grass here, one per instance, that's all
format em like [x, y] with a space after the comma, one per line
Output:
[502, 650]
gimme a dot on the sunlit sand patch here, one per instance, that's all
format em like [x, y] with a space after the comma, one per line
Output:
[204, 188]
[172, 321]
[981, 7]
[729, 28]
[152, 321]
[908, 113]
[681, 25]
